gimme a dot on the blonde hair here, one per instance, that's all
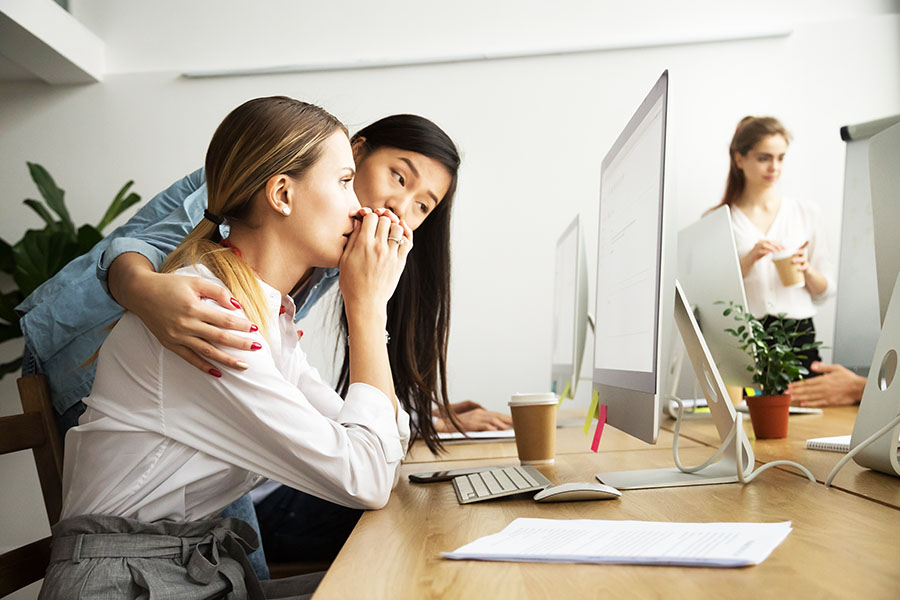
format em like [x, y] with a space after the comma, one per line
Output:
[259, 139]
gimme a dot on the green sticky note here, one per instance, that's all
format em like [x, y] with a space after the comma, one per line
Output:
[592, 411]
[564, 394]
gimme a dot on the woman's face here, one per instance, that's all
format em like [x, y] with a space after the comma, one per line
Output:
[410, 184]
[325, 202]
[762, 164]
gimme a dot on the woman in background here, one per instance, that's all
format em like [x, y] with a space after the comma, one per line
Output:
[765, 222]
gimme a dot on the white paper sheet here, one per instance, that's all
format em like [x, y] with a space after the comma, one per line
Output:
[628, 542]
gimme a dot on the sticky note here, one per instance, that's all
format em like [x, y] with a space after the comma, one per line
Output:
[601, 421]
[595, 398]
[565, 393]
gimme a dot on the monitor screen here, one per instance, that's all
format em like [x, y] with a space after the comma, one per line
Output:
[569, 310]
[564, 297]
[628, 258]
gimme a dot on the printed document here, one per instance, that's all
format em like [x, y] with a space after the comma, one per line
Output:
[628, 542]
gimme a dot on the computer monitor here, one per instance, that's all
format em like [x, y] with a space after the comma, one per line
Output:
[635, 275]
[709, 271]
[636, 301]
[570, 300]
[884, 179]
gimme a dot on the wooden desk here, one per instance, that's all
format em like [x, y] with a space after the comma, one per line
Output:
[842, 545]
[834, 421]
[569, 440]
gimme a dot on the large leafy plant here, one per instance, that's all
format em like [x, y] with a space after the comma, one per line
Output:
[41, 253]
[775, 349]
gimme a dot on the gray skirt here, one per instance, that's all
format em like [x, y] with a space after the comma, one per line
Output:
[95, 556]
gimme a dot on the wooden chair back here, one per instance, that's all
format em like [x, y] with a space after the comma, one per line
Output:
[34, 429]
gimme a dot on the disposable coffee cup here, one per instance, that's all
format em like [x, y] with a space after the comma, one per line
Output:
[534, 420]
[790, 275]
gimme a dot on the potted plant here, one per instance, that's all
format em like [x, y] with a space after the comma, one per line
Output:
[776, 352]
[41, 253]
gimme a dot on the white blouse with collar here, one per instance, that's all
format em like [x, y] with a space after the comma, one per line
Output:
[796, 222]
[161, 440]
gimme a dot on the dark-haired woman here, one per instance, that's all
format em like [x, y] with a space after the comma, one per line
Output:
[405, 164]
[766, 223]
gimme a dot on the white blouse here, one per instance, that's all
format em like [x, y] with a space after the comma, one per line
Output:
[796, 222]
[161, 440]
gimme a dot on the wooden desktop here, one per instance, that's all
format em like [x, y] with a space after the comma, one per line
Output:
[844, 541]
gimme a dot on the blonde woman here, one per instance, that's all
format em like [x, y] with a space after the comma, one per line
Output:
[161, 448]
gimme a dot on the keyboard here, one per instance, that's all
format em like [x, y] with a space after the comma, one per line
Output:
[497, 483]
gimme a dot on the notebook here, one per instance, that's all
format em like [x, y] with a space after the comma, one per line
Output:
[837, 443]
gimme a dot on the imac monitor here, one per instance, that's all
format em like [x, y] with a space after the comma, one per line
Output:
[635, 280]
[569, 310]
[709, 272]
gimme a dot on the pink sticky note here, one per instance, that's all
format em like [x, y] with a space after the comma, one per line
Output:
[601, 421]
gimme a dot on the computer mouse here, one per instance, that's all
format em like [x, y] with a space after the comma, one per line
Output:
[577, 490]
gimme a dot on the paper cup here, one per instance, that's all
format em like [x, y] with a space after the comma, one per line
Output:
[534, 420]
[788, 272]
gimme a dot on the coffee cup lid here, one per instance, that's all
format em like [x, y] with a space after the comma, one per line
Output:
[784, 254]
[533, 399]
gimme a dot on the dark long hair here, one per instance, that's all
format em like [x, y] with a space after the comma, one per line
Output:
[419, 311]
[748, 132]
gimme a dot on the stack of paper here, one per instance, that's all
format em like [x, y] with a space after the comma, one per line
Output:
[628, 542]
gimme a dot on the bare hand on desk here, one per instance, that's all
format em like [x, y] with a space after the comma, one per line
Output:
[837, 386]
[473, 417]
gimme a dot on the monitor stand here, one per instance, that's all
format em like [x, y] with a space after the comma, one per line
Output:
[720, 408]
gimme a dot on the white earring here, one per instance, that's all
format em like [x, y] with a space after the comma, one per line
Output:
[285, 210]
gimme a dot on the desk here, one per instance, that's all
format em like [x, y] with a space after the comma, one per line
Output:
[834, 421]
[843, 545]
[569, 440]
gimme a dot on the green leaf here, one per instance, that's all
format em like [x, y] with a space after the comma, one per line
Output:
[40, 255]
[52, 194]
[119, 204]
[41, 211]
[87, 238]
[12, 366]
[727, 312]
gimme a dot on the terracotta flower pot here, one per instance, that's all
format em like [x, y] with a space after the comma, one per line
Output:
[769, 415]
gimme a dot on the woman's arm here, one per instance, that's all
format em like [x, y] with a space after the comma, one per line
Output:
[370, 269]
[171, 305]
[172, 308]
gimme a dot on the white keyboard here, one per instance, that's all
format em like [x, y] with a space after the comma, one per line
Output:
[496, 483]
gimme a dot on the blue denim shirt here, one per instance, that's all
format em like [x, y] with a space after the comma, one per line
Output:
[67, 318]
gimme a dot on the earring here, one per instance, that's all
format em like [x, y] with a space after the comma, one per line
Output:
[285, 210]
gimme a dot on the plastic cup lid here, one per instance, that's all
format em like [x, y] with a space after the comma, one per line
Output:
[784, 254]
[533, 399]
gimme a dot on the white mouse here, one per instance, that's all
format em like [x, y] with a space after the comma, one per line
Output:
[577, 490]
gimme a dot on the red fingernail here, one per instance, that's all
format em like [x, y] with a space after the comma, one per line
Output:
[299, 333]
[235, 303]
[255, 346]
[283, 310]
[253, 328]
[215, 372]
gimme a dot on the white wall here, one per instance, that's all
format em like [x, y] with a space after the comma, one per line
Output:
[532, 131]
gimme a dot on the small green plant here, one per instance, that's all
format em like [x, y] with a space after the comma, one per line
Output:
[41, 253]
[774, 348]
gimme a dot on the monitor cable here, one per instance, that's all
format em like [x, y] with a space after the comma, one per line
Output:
[866, 442]
[736, 426]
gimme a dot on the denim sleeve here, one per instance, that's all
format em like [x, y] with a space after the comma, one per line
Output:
[158, 240]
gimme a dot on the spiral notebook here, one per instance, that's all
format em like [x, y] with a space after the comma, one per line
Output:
[837, 443]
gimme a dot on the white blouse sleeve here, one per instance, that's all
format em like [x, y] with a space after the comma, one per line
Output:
[306, 437]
